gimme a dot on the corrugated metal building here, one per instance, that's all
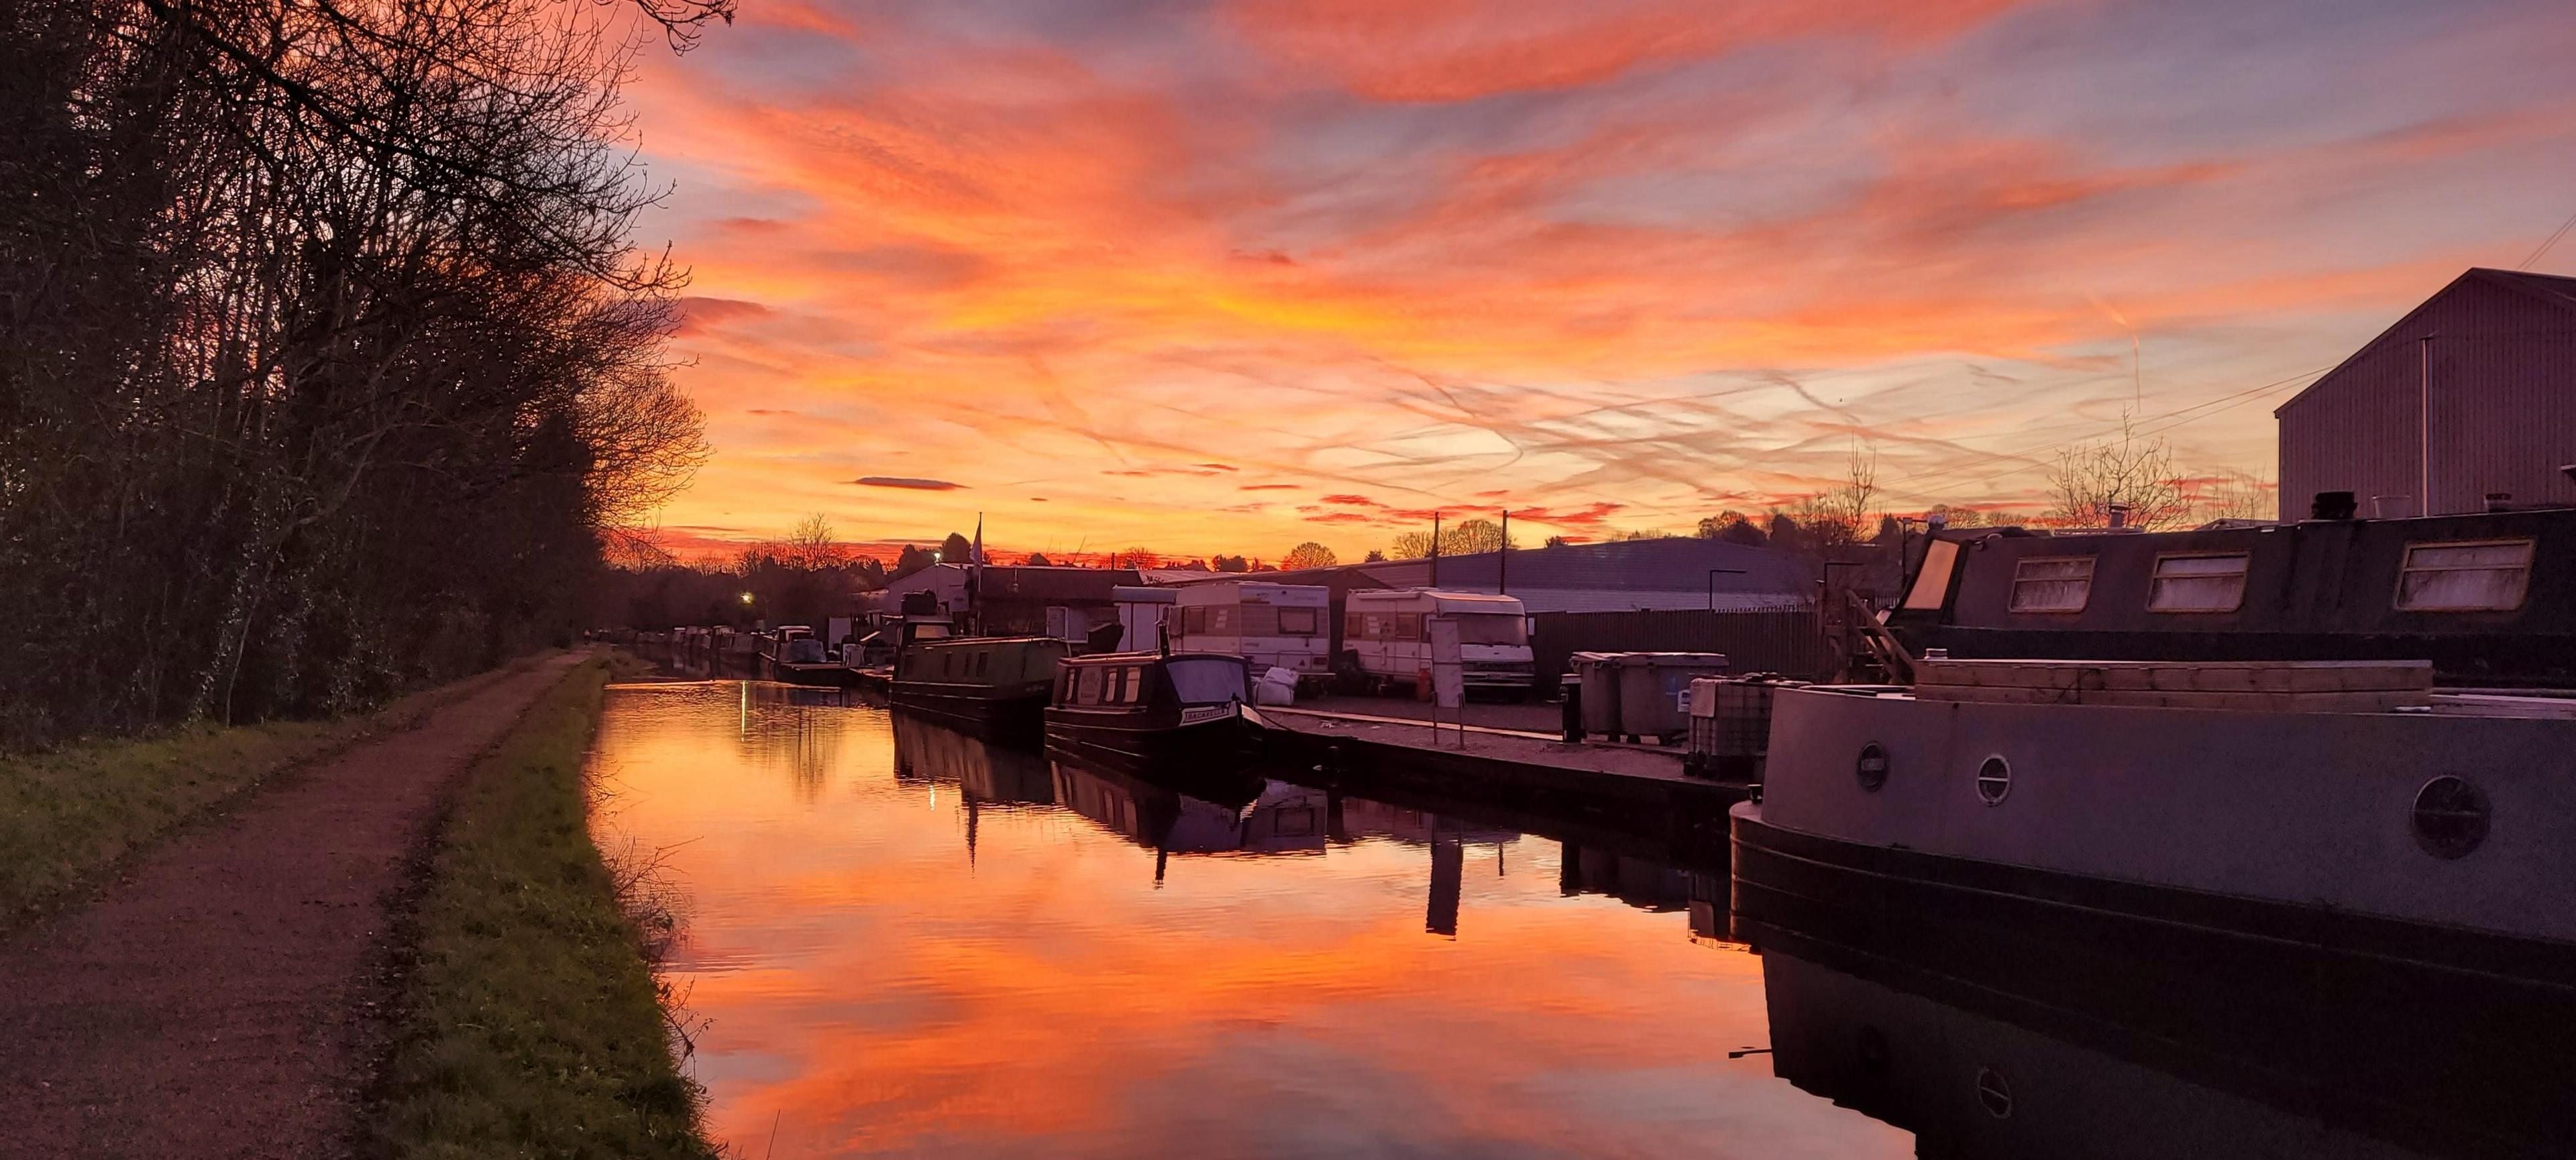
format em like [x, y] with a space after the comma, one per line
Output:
[2473, 392]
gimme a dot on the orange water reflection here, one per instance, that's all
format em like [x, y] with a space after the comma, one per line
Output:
[907, 943]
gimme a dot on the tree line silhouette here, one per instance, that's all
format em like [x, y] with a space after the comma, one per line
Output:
[325, 352]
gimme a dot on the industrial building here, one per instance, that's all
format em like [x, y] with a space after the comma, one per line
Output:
[2468, 402]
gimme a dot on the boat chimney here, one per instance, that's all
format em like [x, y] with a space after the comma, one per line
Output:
[2333, 505]
[2119, 516]
[2499, 501]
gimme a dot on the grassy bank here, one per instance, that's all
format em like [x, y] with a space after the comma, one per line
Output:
[68, 816]
[530, 1023]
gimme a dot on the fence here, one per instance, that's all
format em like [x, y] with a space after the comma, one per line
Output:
[1787, 642]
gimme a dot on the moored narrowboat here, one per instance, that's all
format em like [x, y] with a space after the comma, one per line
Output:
[1150, 708]
[996, 687]
[2346, 809]
[2489, 598]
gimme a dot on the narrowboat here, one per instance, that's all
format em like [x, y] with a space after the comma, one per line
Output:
[2346, 811]
[1153, 709]
[794, 655]
[995, 687]
[2489, 598]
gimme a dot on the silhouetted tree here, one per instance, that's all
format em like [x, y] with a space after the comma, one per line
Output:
[1374, 557]
[956, 549]
[1785, 534]
[1308, 555]
[326, 361]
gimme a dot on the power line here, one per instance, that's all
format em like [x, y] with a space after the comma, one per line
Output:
[2222, 403]
[2536, 255]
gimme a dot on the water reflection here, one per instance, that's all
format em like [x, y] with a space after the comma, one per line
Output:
[875, 989]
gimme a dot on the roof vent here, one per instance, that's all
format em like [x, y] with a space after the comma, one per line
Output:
[2499, 501]
[2119, 516]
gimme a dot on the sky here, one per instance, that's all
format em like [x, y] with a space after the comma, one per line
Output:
[1232, 275]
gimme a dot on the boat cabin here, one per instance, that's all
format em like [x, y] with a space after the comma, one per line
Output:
[1152, 683]
[2489, 598]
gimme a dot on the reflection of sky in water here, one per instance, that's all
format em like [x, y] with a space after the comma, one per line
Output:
[876, 985]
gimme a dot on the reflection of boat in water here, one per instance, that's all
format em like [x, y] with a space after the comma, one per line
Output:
[927, 751]
[1150, 709]
[1199, 812]
[1989, 1042]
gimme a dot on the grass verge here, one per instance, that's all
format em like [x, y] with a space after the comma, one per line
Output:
[70, 815]
[530, 1022]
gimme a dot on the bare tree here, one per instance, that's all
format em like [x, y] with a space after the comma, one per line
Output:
[2236, 494]
[2128, 471]
[810, 544]
[328, 360]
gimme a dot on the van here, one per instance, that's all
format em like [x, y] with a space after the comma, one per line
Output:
[1386, 638]
[1287, 626]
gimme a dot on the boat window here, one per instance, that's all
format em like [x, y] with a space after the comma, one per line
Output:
[2052, 583]
[1135, 687]
[1089, 693]
[1507, 628]
[1206, 680]
[1932, 584]
[2211, 583]
[2468, 576]
[1297, 621]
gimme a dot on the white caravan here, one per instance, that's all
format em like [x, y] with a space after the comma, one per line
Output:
[1388, 636]
[1287, 626]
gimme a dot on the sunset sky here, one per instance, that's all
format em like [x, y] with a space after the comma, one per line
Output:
[1225, 276]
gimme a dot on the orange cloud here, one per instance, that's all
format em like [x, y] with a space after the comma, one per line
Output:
[1455, 50]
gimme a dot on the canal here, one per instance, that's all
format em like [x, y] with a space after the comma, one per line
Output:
[897, 940]
[900, 941]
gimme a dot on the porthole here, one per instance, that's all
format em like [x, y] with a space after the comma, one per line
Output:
[1872, 766]
[1994, 1094]
[2450, 817]
[1994, 780]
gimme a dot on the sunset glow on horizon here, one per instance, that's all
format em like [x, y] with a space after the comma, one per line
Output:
[1227, 276]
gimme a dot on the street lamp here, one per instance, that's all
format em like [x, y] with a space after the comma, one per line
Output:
[746, 598]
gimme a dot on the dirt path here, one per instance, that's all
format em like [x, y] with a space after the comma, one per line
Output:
[222, 1000]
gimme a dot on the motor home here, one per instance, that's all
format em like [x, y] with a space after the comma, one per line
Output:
[1386, 638]
[1287, 626]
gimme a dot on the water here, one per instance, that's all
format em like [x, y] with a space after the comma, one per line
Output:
[902, 942]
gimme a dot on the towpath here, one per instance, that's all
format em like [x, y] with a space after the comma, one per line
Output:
[226, 998]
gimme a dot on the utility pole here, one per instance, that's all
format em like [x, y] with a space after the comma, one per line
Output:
[2424, 426]
[1435, 549]
[1503, 558]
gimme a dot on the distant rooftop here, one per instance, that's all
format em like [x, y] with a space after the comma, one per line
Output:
[1677, 572]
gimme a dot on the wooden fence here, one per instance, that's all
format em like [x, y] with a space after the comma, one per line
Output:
[1787, 642]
